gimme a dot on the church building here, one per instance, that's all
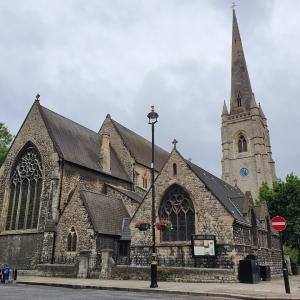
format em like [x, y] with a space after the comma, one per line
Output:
[67, 190]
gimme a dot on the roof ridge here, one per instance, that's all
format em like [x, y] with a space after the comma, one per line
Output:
[133, 132]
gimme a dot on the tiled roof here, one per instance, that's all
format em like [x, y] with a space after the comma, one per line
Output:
[107, 214]
[141, 149]
[78, 144]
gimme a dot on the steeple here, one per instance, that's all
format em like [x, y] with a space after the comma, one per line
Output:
[241, 92]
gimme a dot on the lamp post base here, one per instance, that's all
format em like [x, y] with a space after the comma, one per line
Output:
[153, 275]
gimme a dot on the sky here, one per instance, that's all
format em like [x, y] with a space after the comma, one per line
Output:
[90, 58]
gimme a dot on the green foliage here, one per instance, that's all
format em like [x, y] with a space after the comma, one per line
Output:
[5, 140]
[284, 199]
[293, 253]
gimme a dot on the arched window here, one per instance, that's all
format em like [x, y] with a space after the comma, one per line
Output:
[72, 240]
[239, 100]
[178, 208]
[25, 191]
[174, 170]
[254, 229]
[242, 144]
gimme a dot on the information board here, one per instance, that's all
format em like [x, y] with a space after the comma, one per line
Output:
[203, 245]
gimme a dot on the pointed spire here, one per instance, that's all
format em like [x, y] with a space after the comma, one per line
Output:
[225, 110]
[253, 102]
[261, 112]
[241, 91]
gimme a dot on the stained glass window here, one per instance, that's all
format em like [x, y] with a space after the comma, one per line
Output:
[25, 191]
[178, 208]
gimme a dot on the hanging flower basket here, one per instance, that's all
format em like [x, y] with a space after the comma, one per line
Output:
[164, 224]
[142, 225]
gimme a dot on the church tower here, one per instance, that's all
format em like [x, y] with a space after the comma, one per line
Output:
[247, 157]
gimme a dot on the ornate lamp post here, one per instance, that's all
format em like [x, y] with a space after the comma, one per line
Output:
[152, 116]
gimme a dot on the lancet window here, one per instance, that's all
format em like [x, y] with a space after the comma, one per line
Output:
[72, 240]
[242, 144]
[178, 208]
[25, 191]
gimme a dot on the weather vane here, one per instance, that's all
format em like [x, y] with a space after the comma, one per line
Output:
[233, 5]
[37, 97]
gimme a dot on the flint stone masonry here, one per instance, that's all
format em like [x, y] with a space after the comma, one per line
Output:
[26, 245]
[210, 216]
[174, 274]
[75, 214]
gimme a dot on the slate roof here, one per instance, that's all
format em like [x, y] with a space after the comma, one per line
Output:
[141, 149]
[108, 215]
[132, 195]
[78, 144]
[232, 198]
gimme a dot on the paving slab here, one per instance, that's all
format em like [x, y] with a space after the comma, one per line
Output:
[273, 289]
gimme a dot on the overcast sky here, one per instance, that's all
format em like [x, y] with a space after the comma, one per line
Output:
[90, 58]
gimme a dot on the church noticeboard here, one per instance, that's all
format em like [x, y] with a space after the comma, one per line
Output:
[203, 245]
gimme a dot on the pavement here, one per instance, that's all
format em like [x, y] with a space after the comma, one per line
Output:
[273, 289]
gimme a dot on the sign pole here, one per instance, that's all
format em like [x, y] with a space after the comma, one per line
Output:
[284, 268]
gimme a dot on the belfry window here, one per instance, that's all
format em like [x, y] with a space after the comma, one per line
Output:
[72, 240]
[178, 208]
[239, 100]
[242, 144]
[25, 191]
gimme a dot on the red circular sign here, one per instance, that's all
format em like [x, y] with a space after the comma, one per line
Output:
[279, 223]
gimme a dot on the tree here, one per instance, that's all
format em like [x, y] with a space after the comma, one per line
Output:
[5, 140]
[284, 199]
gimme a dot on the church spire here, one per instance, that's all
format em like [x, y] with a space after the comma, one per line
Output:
[241, 92]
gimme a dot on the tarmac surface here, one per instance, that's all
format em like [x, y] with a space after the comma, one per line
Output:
[34, 292]
[273, 289]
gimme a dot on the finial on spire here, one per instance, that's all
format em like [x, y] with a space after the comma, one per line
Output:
[37, 97]
[174, 143]
[233, 5]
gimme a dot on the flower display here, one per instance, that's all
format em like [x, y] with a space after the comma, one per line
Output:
[164, 224]
[142, 225]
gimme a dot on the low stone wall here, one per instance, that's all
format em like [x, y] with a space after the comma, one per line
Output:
[52, 270]
[178, 274]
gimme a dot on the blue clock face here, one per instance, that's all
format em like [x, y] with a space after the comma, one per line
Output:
[244, 171]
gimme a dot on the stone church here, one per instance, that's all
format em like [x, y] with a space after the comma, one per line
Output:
[65, 189]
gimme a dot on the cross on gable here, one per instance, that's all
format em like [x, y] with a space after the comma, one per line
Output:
[174, 143]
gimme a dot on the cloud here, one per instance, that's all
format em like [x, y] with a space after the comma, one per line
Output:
[87, 59]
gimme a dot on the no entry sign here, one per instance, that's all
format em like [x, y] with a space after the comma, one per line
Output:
[279, 223]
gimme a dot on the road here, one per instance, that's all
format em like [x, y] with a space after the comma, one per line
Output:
[34, 292]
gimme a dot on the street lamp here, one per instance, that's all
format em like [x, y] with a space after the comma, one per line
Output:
[152, 116]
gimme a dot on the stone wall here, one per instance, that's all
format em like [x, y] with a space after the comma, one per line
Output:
[265, 256]
[24, 246]
[174, 274]
[75, 215]
[130, 204]
[210, 216]
[21, 250]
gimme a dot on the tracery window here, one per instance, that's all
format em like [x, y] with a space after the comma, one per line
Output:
[242, 144]
[72, 240]
[178, 208]
[25, 191]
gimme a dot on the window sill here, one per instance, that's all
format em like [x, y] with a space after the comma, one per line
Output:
[21, 231]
